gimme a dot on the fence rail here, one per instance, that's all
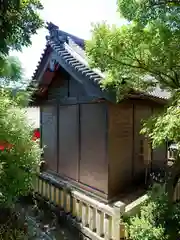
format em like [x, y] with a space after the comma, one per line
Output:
[97, 220]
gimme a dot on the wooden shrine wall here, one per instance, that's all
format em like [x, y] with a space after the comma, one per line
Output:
[93, 160]
[120, 145]
[125, 143]
[68, 142]
[76, 139]
[141, 113]
[48, 119]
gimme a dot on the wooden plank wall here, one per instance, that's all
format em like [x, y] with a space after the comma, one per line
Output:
[77, 142]
[93, 161]
[120, 146]
[124, 144]
[49, 135]
[68, 143]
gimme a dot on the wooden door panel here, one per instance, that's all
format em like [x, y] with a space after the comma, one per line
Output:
[93, 161]
[69, 141]
[49, 135]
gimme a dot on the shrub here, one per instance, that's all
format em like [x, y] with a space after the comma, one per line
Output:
[157, 219]
[10, 233]
[144, 226]
[21, 153]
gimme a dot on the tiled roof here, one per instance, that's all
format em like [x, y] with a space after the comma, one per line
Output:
[56, 32]
[70, 49]
[158, 92]
[43, 58]
[71, 53]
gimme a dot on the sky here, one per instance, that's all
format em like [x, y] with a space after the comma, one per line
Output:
[72, 16]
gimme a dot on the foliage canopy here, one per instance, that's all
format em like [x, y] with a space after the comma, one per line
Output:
[142, 55]
[19, 20]
[156, 219]
[21, 152]
[19, 23]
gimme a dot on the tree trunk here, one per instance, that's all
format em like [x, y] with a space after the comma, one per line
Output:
[173, 175]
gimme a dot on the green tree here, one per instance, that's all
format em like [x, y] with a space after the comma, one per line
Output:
[18, 22]
[19, 155]
[5, 5]
[142, 55]
[12, 81]
[156, 219]
[10, 69]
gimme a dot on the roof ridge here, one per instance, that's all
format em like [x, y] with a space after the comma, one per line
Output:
[79, 56]
[55, 32]
[43, 53]
[76, 54]
[78, 49]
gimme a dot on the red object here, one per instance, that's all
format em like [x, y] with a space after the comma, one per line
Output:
[3, 145]
[36, 135]
[2, 148]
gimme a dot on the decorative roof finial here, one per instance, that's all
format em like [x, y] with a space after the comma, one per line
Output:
[51, 26]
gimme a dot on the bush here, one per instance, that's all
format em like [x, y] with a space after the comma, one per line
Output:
[20, 153]
[144, 226]
[8, 232]
[156, 220]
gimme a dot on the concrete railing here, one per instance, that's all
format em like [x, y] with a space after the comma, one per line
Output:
[134, 207]
[100, 219]
[97, 220]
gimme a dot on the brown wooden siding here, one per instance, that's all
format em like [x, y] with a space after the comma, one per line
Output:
[59, 87]
[49, 135]
[64, 85]
[93, 161]
[141, 113]
[76, 89]
[68, 141]
[126, 164]
[120, 123]
[160, 154]
[99, 144]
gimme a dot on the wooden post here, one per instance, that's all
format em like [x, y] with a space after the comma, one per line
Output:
[119, 209]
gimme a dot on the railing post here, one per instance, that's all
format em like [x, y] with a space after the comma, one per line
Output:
[119, 209]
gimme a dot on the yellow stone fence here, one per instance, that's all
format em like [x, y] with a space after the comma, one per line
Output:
[96, 220]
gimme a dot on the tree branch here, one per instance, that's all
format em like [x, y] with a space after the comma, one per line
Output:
[141, 66]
